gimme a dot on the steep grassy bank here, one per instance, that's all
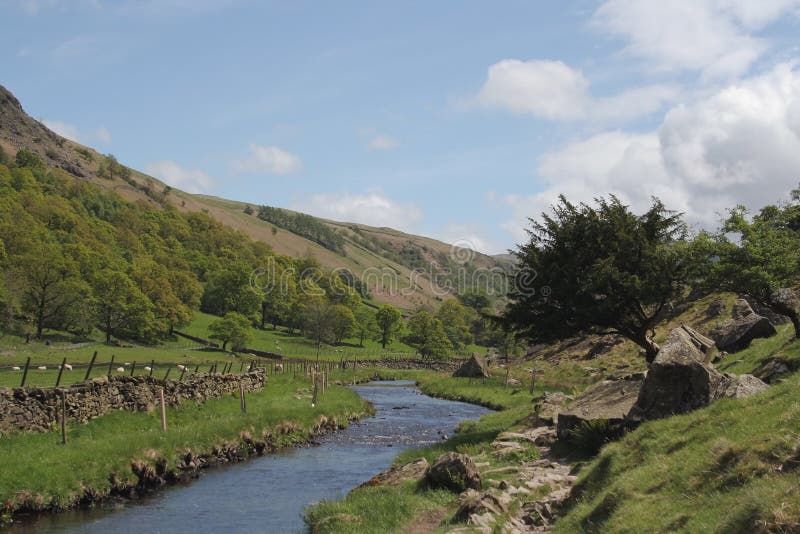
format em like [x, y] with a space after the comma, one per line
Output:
[731, 467]
[123, 453]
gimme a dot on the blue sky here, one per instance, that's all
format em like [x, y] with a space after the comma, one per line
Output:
[452, 119]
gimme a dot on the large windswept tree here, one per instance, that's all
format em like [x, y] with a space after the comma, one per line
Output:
[599, 268]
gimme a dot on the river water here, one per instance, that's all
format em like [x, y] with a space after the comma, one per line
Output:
[269, 494]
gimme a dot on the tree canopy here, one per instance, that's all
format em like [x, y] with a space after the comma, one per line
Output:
[599, 268]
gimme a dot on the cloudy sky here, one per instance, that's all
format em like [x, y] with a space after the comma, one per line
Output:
[455, 119]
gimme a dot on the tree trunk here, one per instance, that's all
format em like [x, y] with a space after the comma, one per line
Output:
[224, 344]
[263, 314]
[650, 347]
[108, 329]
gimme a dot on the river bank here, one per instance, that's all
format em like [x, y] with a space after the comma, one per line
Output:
[125, 455]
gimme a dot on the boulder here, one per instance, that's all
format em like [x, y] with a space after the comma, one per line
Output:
[739, 332]
[774, 368]
[681, 379]
[454, 471]
[782, 297]
[739, 387]
[415, 470]
[704, 344]
[678, 381]
[716, 308]
[609, 400]
[475, 367]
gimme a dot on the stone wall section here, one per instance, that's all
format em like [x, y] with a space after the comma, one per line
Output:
[38, 409]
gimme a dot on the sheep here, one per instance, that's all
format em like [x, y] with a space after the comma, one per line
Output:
[148, 368]
[181, 367]
[15, 368]
[67, 367]
[279, 368]
[42, 368]
[120, 369]
[127, 364]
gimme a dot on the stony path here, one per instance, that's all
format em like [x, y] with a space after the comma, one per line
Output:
[536, 487]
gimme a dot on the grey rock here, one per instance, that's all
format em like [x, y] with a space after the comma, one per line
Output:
[454, 471]
[738, 333]
[609, 400]
[475, 367]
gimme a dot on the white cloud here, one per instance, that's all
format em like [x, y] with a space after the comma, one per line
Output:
[98, 135]
[711, 36]
[471, 236]
[740, 145]
[553, 90]
[382, 142]
[269, 160]
[373, 208]
[189, 180]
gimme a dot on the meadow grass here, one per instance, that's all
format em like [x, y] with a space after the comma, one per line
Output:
[37, 468]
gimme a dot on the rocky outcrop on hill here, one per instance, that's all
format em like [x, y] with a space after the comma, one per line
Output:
[742, 329]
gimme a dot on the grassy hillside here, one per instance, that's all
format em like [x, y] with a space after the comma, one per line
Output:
[732, 467]
[388, 255]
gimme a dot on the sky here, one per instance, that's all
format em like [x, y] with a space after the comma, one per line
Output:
[456, 120]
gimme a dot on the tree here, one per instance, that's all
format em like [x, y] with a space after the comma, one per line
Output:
[3, 156]
[121, 305]
[365, 324]
[600, 269]
[26, 158]
[476, 298]
[387, 321]
[427, 335]
[456, 320]
[234, 328]
[318, 320]
[343, 322]
[49, 284]
[230, 289]
[763, 260]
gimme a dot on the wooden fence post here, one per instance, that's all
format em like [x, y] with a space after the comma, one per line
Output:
[60, 372]
[91, 365]
[133, 367]
[111, 365]
[533, 379]
[25, 372]
[163, 410]
[508, 370]
[242, 398]
[314, 398]
[180, 379]
[152, 366]
[166, 375]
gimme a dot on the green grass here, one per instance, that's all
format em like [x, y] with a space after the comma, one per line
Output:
[731, 467]
[37, 469]
[375, 510]
[781, 345]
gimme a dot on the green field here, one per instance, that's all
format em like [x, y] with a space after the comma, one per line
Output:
[55, 346]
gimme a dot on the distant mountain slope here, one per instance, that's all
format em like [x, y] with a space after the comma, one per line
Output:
[402, 269]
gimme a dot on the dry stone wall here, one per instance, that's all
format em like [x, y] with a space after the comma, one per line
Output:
[38, 409]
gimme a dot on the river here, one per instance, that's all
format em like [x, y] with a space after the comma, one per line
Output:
[269, 494]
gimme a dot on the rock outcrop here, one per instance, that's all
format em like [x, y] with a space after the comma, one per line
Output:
[475, 367]
[681, 379]
[415, 470]
[454, 471]
[609, 400]
[742, 329]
